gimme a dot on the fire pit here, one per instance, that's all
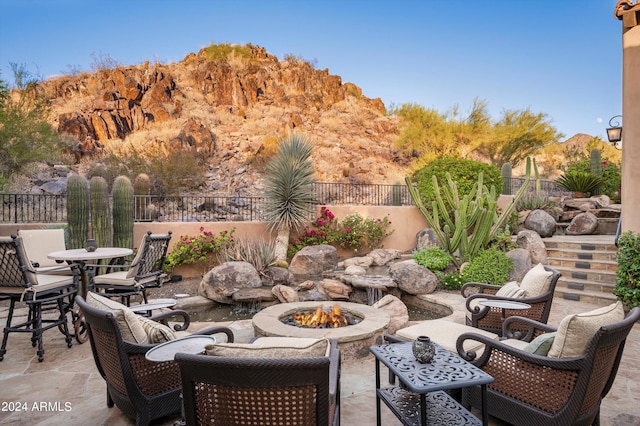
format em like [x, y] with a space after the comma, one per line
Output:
[354, 339]
[321, 318]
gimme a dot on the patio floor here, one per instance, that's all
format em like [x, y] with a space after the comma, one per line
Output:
[71, 391]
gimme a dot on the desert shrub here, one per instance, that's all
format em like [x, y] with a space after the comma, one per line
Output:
[488, 266]
[202, 248]
[453, 281]
[534, 200]
[353, 232]
[627, 287]
[258, 252]
[223, 51]
[504, 240]
[433, 258]
[611, 174]
[463, 172]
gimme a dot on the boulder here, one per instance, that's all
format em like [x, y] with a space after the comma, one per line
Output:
[397, 312]
[334, 289]
[355, 270]
[369, 281]
[285, 294]
[413, 278]
[306, 285]
[521, 263]
[364, 261]
[427, 238]
[250, 295]
[532, 242]
[601, 201]
[313, 260]
[383, 256]
[195, 137]
[275, 275]
[583, 224]
[541, 222]
[221, 282]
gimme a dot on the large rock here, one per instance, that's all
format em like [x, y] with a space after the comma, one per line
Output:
[521, 259]
[221, 282]
[334, 289]
[583, 224]
[427, 238]
[383, 256]
[397, 312]
[195, 137]
[285, 294]
[364, 261]
[275, 275]
[541, 222]
[532, 242]
[314, 260]
[413, 278]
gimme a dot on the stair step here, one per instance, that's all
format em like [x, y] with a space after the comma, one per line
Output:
[596, 275]
[581, 263]
[585, 285]
[570, 253]
[595, 297]
[592, 247]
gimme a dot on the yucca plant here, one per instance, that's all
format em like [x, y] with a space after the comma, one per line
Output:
[580, 182]
[259, 252]
[289, 190]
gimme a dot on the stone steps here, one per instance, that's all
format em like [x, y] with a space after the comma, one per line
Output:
[588, 268]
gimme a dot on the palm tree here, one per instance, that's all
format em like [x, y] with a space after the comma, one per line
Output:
[289, 189]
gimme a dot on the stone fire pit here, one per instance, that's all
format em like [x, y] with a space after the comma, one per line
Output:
[354, 340]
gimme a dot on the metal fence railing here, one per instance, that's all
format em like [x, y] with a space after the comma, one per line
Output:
[549, 186]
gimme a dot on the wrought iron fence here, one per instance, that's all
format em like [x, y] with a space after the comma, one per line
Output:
[549, 186]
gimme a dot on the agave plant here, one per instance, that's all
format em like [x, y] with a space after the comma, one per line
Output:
[289, 189]
[580, 182]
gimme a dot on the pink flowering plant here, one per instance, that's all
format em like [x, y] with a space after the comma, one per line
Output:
[353, 232]
[203, 248]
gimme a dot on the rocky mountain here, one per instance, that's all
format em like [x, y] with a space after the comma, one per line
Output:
[231, 112]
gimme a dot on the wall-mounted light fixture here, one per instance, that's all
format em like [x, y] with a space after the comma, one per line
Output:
[614, 132]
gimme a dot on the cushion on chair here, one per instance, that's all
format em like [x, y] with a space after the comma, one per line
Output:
[511, 289]
[541, 344]
[128, 322]
[272, 347]
[536, 281]
[576, 331]
[445, 333]
[157, 332]
[40, 242]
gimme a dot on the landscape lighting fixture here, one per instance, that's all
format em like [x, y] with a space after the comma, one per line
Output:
[614, 132]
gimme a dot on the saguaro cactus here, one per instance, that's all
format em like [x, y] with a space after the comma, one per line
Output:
[141, 187]
[100, 212]
[506, 178]
[77, 210]
[596, 168]
[122, 212]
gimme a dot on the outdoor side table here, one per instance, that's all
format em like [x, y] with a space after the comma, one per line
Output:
[503, 305]
[420, 399]
[152, 305]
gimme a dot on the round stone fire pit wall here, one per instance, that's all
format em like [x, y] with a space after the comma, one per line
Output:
[354, 340]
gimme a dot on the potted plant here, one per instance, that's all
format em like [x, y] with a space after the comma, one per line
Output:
[580, 183]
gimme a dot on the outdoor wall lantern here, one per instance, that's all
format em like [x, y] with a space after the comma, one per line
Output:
[614, 132]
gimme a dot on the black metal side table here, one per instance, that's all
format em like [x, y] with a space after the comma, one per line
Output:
[421, 400]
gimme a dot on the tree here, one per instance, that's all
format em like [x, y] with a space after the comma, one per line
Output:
[289, 189]
[25, 134]
[517, 135]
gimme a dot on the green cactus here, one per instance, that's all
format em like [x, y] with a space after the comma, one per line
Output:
[506, 178]
[596, 168]
[396, 195]
[77, 210]
[122, 212]
[473, 221]
[141, 188]
[100, 213]
[537, 175]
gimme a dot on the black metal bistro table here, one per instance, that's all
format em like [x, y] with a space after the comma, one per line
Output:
[421, 398]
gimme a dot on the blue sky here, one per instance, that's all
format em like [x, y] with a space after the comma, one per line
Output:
[558, 57]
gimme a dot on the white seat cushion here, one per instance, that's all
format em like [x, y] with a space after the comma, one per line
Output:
[511, 289]
[130, 326]
[536, 281]
[445, 333]
[272, 347]
[114, 278]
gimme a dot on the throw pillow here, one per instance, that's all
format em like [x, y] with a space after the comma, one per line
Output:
[541, 344]
[510, 289]
[536, 281]
[576, 331]
[128, 321]
[156, 332]
[272, 347]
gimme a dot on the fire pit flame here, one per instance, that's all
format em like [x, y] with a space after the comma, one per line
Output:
[321, 319]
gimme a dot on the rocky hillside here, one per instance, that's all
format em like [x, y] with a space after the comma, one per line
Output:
[230, 112]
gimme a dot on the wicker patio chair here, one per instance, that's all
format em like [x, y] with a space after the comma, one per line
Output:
[144, 271]
[490, 319]
[531, 389]
[141, 389]
[278, 391]
[42, 293]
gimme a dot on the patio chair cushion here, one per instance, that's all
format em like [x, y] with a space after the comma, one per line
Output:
[576, 331]
[272, 347]
[129, 323]
[536, 281]
[511, 289]
[157, 332]
[541, 344]
[445, 333]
